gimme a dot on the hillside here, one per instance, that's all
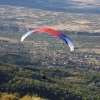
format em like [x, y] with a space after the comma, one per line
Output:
[24, 19]
[70, 81]
[73, 6]
[69, 75]
[72, 15]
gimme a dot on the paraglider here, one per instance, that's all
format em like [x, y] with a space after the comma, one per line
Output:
[53, 32]
[43, 76]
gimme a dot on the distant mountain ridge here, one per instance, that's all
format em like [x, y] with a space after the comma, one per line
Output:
[74, 6]
[73, 15]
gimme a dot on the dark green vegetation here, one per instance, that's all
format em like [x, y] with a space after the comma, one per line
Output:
[70, 76]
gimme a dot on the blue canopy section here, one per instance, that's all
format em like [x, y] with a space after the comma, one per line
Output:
[67, 40]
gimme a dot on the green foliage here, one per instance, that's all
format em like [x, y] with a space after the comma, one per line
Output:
[22, 80]
[21, 70]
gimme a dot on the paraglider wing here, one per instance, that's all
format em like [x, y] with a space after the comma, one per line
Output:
[70, 43]
[67, 40]
[46, 30]
[27, 34]
[51, 32]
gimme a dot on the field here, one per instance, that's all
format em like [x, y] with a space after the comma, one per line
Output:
[26, 18]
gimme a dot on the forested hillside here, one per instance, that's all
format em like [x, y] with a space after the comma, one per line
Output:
[69, 75]
[60, 83]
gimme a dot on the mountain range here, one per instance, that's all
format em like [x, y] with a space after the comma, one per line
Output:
[74, 6]
[73, 15]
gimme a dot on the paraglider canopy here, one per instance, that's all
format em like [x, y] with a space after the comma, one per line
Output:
[53, 32]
